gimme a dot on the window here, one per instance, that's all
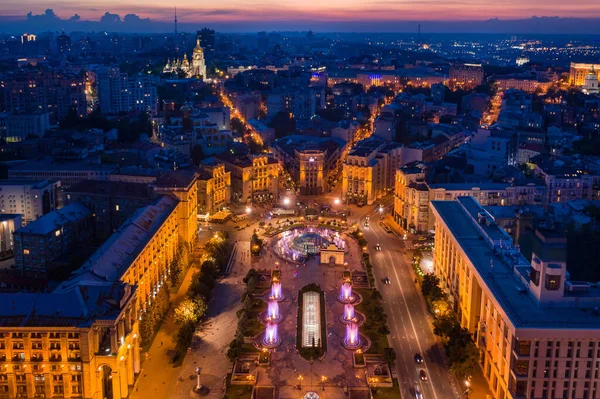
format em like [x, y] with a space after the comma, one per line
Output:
[552, 282]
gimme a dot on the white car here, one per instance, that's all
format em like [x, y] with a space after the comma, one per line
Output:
[418, 394]
[377, 247]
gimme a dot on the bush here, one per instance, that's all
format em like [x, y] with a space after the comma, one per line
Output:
[154, 315]
[389, 354]
[185, 335]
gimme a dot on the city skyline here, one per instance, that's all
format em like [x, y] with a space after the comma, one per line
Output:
[507, 16]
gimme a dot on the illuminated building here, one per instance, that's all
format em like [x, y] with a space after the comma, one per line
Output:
[196, 68]
[368, 171]
[214, 187]
[590, 84]
[413, 195]
[309, 160]
[579, 71]
[538, 332]
[524, 82]
[80, 342]
[182, 184]
[466, 75]
[254, 178]
[9, 223]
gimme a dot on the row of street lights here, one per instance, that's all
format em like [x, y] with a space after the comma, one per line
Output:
[300, 378]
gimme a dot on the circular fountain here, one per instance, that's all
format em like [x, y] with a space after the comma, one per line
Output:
[272, 314]
[347, 296]
[271, 338]
[351, 315]
[298, 244]
[276, 292]
[352, 339]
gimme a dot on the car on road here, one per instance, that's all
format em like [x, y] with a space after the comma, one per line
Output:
[387, 281]
[423, 375]
[418, 358]
[366, 223]
[418, 394]
[377, 247]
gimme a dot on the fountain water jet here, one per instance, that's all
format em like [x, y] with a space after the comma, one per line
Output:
[345, 295]
[273, 314]
[352, 338]
[276, 292]
[349, 311]
[271, 338]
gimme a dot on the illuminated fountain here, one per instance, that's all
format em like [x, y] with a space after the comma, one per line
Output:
[271, 338]
[352, 339]
[273, 314]
[346, 293]
[276, 292]
[349, 311]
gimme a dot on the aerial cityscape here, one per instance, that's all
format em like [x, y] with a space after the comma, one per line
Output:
[316, 200]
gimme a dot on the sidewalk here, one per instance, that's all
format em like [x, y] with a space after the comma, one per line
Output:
[157, 375]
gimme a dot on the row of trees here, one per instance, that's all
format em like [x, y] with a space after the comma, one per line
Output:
[154, 315]
[194, 306]
[179, 264]
[246, 316]
[462, 353]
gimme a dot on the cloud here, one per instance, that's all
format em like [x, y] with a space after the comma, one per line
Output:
[110, 19]
[134, 19]
[75, 18]
[220, 12]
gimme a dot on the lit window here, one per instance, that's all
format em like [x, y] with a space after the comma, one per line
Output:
[116, 207]
[25, 252]
[57, 233]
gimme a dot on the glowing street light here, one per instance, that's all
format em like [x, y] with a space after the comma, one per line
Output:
[323, 379]
[248, 210]
[300, 378]
[286, 201]
[337, 201]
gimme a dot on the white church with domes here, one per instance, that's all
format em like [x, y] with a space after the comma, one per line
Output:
[195, 68]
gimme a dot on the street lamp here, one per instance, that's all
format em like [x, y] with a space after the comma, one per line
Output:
[286, 201]
[468, 384]
[336, 201]
[248, 210]
[198, 371]
[323, 379]
[300, 381]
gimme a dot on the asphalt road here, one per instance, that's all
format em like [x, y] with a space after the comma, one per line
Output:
[408, 318]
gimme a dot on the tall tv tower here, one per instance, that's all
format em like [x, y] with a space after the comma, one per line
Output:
[175, 19]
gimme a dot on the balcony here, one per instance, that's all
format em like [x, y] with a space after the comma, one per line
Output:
[55, 358]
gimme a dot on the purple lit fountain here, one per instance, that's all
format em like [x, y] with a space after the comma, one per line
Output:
[273, 314]
[271, 338]
[352, 339]
[349, 311]
[346, 293]
[276, 293]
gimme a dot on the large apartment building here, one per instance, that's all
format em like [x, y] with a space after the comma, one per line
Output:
[538, 332]
[30, 199]
[413, 194]
[81, 340]
[214, 187]
[254, 178]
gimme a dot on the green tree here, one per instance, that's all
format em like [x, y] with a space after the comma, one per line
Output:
[430, 281]
[190, 311]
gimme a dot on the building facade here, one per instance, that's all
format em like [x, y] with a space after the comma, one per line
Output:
[413, 195]
[30, 199]
[578, 72]
[466, 75]
[81, 342]
[214, 188]
[534, 327]
[111, 202]
[42, 241]
[254, 178]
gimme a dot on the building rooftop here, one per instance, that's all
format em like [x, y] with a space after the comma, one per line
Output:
[469, 186]
[111, 188]
[111, 260]
[503, 270]
[49, 164]
[29, 183]
[176, 179]
[77, 306]
[56, 219]
[295, 142]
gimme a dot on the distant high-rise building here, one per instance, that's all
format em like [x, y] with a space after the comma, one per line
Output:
[28, 37]
[63, 43]
[117, 92]
[207, 39]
